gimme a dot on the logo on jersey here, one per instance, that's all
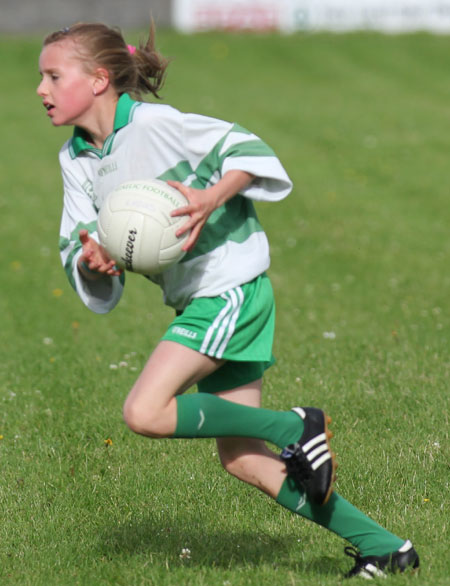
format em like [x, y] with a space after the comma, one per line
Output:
[106, 169]
[88, 189]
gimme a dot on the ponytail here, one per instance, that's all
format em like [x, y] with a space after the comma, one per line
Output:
[151, 66]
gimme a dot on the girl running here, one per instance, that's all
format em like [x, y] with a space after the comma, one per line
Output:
[221, 337]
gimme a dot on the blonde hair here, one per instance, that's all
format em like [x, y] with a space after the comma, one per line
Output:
[98, 45]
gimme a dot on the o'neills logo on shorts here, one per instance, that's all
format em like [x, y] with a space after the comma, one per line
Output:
[129, 248]
[184, 332]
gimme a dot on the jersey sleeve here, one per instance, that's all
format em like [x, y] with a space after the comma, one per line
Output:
[215, 147]
[102, 295]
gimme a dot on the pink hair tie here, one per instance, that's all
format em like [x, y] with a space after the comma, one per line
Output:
[131, 49]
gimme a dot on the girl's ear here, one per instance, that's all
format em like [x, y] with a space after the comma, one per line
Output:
[100, 81]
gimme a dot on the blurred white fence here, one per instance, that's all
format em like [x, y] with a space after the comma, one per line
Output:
[313, 15]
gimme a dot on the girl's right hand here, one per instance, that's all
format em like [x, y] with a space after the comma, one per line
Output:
[94, 261]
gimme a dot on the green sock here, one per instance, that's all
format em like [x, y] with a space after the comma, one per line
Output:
[204, 415]
[341, 517]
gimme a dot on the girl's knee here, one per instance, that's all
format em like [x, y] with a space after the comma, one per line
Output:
[149, 418]
[139, 420]
[133, 418]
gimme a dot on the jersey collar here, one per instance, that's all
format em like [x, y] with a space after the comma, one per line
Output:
[124, 114]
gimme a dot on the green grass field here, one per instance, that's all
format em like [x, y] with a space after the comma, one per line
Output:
[360, 266]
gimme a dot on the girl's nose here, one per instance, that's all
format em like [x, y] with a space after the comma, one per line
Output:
[40, 90]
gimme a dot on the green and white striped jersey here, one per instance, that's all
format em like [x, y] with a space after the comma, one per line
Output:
[157, 141]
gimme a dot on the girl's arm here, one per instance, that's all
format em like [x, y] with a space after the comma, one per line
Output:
[78, 242]
[202, 202]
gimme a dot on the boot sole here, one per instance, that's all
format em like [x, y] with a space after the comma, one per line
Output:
[334, 464]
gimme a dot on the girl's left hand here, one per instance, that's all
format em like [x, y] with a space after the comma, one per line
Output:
[201, 205]
[202, 202]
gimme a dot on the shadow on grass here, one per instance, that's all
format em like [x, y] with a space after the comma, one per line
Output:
[221, 549]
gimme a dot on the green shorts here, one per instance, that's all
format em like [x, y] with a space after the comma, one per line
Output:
[237, 326]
